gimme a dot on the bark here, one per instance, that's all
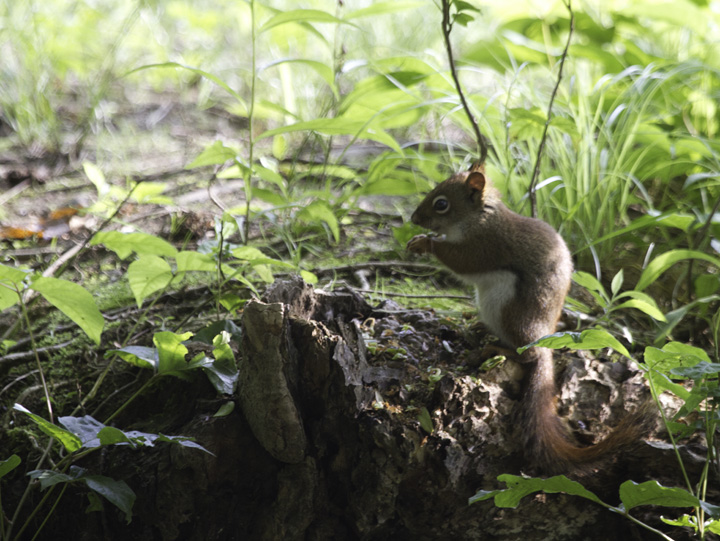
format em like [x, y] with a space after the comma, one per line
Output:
[327, 441]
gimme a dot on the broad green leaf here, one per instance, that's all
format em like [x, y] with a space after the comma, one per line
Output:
[519, 487]
[8, 465]
[110, 435]
[247, 253]
[171, 353]
[74, 301]
[69, 440]
[214, 154]
[300, 16]
[124, 244]
[11, 279]
[633, 494]
[698, 371]
[188, 261]
[150, 193]
[48, 478]
[309, 277]
[147, 275]
[116, 492]
[141, 356]
[208, 334]
[86, 428]
[687, 351]
[588, 281]
[663, 262]
[426, 421]
[587, 339]
[320, 211]
[226, 409]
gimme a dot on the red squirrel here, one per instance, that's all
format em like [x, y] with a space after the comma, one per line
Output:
[521, 269]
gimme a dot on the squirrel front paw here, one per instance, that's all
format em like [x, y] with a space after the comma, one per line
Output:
[420, 244]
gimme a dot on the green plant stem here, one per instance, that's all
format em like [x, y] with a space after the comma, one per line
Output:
[543, 139]
[50, 512]
[447, 29]
[638, 522]
[251, 115]
[656, 398]
[48, 402]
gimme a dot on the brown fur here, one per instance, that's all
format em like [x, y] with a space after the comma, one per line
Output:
[522, 268]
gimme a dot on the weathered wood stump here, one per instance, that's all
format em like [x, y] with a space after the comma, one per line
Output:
[328, 443]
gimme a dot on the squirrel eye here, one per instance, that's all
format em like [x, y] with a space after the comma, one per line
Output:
[441, 204]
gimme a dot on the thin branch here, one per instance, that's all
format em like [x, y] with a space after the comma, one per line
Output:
[447, 28]
[541, 147]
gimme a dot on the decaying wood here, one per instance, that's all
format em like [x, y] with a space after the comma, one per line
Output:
[327, 442]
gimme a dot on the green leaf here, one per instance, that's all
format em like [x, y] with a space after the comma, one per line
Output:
[588, 281]
[226, 409]
[189, 261]
[617, 282]
[110, 435]
[11, 279]
[214, 154]
[320, 211]
[587, 339]
[633, 494]
[69, 440]
[425, 420]
[650, 309]
[48, 478]
[147, 275]
[141, 356]
[86, 428]
[171, 353]
[699, 371]
[124, 244]
[663, 262]
[8, 465]
[300, 16]
[74, 301]
[519, 487]
[116, 492]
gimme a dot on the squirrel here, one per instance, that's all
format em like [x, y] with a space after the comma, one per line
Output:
[521, 269]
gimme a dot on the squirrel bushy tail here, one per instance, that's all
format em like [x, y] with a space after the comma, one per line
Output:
[546, 437]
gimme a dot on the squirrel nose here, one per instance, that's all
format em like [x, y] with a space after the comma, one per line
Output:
[415, 219]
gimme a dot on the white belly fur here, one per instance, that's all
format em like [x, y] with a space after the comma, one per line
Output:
[493, 290]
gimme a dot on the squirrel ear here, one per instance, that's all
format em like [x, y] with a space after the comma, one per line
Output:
[477, 167]
[476, 182]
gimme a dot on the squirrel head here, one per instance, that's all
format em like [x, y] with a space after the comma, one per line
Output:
[454, 204]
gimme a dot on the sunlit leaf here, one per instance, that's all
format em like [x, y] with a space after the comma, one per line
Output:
[664, 261]
[519, 487]
[587, 339]
[124, 244]
[69, 440]
[147, 275]
[74, 301]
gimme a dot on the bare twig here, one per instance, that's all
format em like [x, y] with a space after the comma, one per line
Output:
[541, 146]
[447, 25]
